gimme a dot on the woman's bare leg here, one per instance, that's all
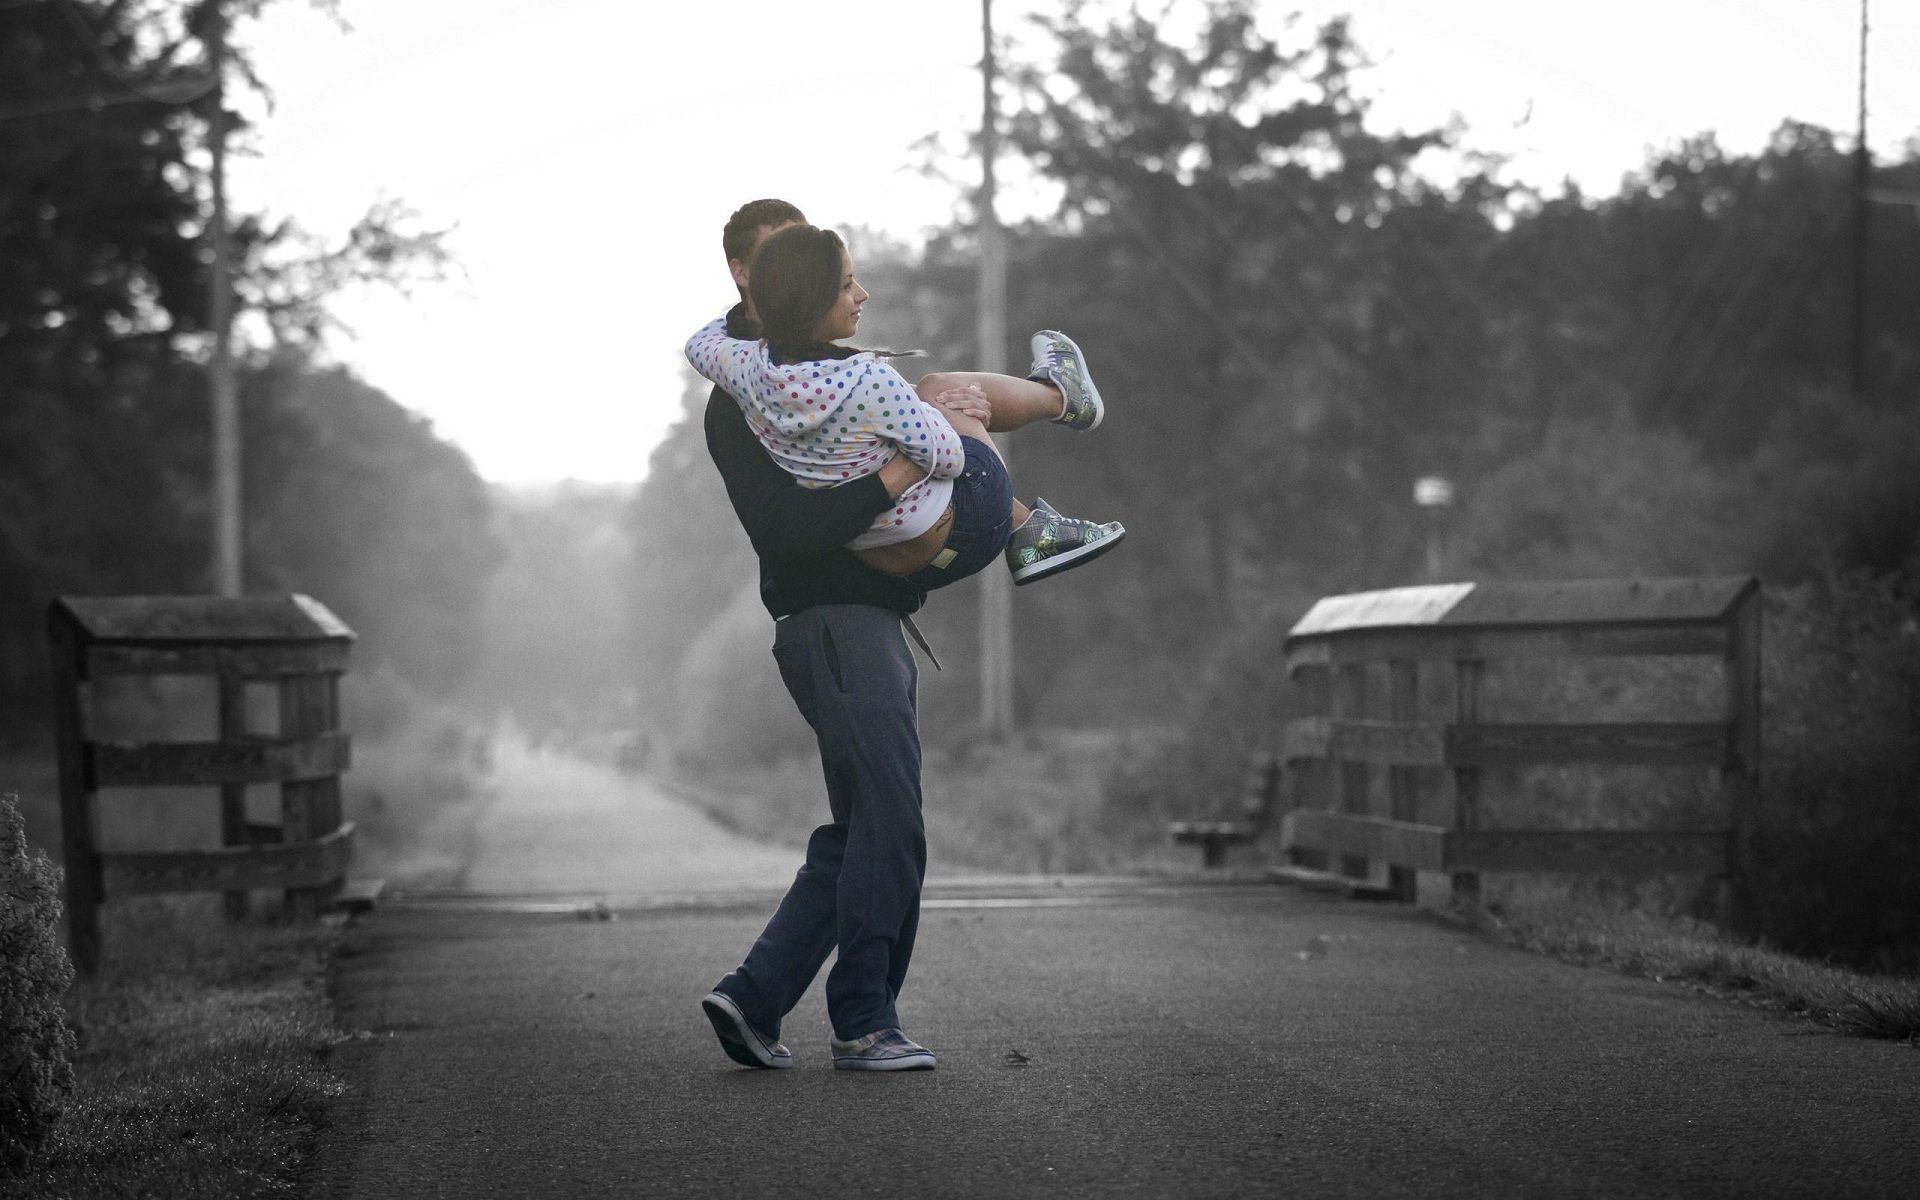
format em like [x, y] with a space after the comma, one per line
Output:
[1016, 402]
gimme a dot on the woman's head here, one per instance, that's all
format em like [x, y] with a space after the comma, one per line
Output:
[804, 291]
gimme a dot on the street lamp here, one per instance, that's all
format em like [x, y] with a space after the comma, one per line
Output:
[1434, 494]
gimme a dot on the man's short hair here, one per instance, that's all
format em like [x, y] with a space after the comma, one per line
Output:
[750, 218]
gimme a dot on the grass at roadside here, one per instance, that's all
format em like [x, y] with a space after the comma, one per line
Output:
[201, 1068]
[1038, 806]
[1692, 952]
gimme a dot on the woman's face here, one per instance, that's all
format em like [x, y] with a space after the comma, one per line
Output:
[844, 317]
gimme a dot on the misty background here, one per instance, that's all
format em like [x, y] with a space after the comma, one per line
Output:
[1295, 314]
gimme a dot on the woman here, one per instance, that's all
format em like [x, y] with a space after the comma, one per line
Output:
[829, 414]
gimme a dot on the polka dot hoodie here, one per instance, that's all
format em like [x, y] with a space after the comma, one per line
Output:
[833, 420]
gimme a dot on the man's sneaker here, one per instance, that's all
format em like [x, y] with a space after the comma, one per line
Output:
[743, 1043]
[1047, 543]
[881, 1050]
[1058, 361]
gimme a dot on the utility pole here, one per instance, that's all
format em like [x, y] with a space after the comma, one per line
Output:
[220, 371]
[996, 586]
[1862, 186]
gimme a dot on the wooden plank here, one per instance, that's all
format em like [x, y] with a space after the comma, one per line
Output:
[261, 661]
[1326, 881]
[321, 616]
[82, 862]
[1424, 605]
[1260, 794]
[1644, 743]
[1307, 737]
[315, 864]
[1441, 643]
[1587, 851]
[1600, 601]
[1401, 843]
[359, 895]
[201, 764]
[173, 619]
[1417, 744]
[1538, 604]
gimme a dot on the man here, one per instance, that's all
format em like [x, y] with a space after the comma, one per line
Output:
[842, 652]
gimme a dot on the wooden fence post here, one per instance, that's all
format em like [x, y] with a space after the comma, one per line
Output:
[1403, 698]
[1312, 786]
[1350, 702]
[233, 796]
[1740, 778]
[76, 801]
[1467, 674]
[309, 808]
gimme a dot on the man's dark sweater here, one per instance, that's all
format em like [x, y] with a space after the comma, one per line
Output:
[800, 534]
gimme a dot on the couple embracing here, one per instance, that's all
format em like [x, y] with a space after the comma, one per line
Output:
[861, 493]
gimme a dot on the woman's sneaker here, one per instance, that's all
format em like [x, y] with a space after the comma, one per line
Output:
[881, 1050]
[1058, 361]
[1047, 543]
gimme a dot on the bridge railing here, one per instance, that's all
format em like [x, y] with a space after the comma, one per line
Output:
[1359, 751]
[291, 643]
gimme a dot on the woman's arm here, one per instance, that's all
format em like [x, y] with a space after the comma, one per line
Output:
[729, 362]
[884, 404]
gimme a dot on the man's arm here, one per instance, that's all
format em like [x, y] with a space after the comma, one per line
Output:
[783, 519]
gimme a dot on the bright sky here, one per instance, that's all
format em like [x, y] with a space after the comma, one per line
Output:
[588, 151]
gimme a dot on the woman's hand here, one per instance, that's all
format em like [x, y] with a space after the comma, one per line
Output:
[966, 409]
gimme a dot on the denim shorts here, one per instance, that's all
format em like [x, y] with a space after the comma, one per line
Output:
[982, 519]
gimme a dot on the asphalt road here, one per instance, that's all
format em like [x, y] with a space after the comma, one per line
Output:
[1094, 1041]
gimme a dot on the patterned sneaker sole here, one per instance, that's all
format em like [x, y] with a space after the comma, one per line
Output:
[922, 1061]
[1071, 558]
[730, 1026]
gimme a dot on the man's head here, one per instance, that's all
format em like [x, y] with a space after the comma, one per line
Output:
[748, 227]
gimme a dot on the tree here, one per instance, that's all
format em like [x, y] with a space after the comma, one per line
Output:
[103, 338]
[355, 499]
[1234, 223]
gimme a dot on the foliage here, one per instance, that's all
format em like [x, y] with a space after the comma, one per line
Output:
[687, 560]
[1841, 809]
[357, 500]
[1599, 496]
[1689, 951]
[1231, 249]
[103, 340]
[201, 1069]
[36, 1045]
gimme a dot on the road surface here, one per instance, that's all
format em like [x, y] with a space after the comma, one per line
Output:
[1096, 1039]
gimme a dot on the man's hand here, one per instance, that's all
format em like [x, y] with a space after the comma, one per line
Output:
[899, 474]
